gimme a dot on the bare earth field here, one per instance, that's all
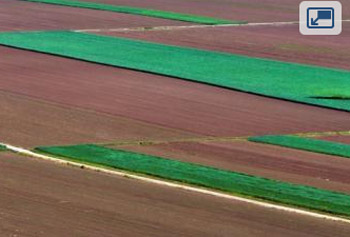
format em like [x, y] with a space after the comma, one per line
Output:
[47, 100]
[30, 122]
[39, 198]
[341, 139]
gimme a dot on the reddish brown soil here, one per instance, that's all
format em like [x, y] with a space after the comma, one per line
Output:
[323, 171]
[24, 16]
[169, 102]
[276, 42]
[341, 139]
[27, 122]
[40, 198]
[250, 10]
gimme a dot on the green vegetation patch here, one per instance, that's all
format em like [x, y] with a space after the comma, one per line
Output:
[276, 79]
[141, 11]
[209, 177]
[306, 144]
[2, 148]
[332, 94]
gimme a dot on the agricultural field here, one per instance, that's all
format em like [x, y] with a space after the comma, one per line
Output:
[172, 118]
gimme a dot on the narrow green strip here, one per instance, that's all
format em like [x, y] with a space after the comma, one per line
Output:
[141, 11]
[2, 148]
[238, 183]
[306, 144]
[283, 80]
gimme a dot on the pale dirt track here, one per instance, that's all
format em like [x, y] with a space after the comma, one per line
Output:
[46, 100]
[51, 200]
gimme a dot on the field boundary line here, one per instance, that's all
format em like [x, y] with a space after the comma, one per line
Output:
[157, 142]
[168, 28]
[165, 28]
[323, 134]
[215, 139]
[177, 185]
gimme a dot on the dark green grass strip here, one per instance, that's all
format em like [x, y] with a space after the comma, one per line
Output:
[306, 144]
[283, 80]
[2, 148]
[232, 182]
[141, 11]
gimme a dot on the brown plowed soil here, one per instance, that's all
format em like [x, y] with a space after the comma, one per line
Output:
[25, 16]
[341, 139]
[40, 198]
[276, 42]
[290, 165]
[29, 122]
[164, 101]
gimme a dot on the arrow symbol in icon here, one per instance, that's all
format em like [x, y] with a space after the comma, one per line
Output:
[314, 22]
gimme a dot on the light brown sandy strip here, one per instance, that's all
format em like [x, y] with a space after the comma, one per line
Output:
[178, 185]
[168, 28]
[215, 139]
[165, 28]
[324, 134]
[157, 142]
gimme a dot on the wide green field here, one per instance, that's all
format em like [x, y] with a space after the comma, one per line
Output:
[289, 81]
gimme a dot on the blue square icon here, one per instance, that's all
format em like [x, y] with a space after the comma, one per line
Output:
[320, 17]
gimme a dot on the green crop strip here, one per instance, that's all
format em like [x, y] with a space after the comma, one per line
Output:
[228, 181]
[306, 144]
[140, 11]
[2, 148]
[283, 80]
